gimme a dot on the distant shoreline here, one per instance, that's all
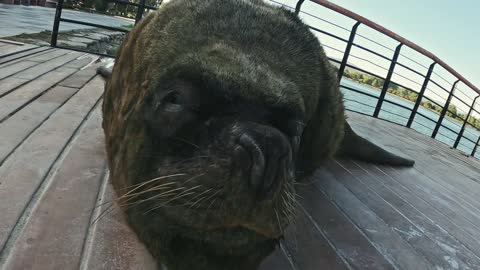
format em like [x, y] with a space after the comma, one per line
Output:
[409, 101]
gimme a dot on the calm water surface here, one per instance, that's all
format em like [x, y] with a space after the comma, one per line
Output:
[365, 104]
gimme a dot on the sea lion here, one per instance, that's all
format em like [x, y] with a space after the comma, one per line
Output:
[213, 110]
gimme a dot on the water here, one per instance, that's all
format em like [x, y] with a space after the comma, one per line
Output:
[366, 104]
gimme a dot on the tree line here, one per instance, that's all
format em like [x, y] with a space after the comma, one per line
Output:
[400, 91]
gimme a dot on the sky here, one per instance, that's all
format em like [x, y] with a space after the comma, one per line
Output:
[449, 29]
[446, 28]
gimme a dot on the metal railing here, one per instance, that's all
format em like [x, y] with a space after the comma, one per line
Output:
[141, 7]
[394, 63]
[378, 107]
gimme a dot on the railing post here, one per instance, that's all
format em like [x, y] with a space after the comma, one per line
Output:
[298, 6]
[346, 54]
[387, 80]
[140, 10]
[420, 95]
[444, 110]
[475, 147]
[460, 134]
[56, 23]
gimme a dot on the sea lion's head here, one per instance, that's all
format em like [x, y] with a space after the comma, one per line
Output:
[207, 119]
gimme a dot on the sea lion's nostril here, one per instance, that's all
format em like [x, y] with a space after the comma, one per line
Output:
[270, 158]
[257, 159]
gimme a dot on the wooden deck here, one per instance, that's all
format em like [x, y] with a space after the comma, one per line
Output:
[354, 215]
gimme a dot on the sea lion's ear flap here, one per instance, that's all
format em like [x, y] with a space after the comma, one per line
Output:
[356, 147]
[105, 72]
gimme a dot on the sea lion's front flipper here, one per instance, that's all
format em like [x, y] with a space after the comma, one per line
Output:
[356, 147]
[105, 72]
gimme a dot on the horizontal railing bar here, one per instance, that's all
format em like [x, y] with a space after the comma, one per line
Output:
[95, 25]
[426, 117]
[364, 71]
[328, 34]
[372, 52]
[358, 91]
[411, 69]
[361, 103]
[453, 131]
[350, 110]
[396, 37]
[434, 82]
[396, 104]
[445, 137]
[399, 115]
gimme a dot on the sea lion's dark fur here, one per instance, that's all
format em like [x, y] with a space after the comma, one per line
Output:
[266, 71]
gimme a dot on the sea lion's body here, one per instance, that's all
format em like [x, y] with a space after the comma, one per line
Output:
[237, 97]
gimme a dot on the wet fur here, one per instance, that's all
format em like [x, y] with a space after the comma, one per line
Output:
[263, 54]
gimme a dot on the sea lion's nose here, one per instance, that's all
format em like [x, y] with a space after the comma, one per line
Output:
[270, 158]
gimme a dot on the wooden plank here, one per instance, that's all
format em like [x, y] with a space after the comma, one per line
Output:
[15, 68]
[348, 241]
[21, 96]
[24, 171]
[49, 55]
[276, 261]
[439, 177]
[308, 248]
[7, 49]
[410, 232]
[10, 83]
[430, 162]
[382, 237]
[44, 67]
[15, 129]
[111, 244]
[443, 220]
[79, 78]
[436, 226]
[82, 61]
[53, 236]
[15, 49]
[20, 56]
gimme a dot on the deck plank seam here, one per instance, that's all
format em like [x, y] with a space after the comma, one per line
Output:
[36, 96]
[17, 52]
[288, 256]
[41, 188]
[397, 211]
[447, 235]
[327, 239]
[12, 61]
[431, 206]
[33, 79]
[31, 67]
[453, 194]
[359, 229]
[92, 227]
[43, 121]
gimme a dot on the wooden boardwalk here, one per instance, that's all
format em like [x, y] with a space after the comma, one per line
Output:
[354, 215]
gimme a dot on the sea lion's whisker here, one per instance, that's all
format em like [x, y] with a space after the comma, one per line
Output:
[199, 195]
[213, 201]
[185, 141]
[278, 220]
[167, 202]
[211, 196]
[130, 196]
[103, 214]
[161, 195]
[137, 186]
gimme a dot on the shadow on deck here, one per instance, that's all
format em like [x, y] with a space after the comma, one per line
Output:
[353, 216]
